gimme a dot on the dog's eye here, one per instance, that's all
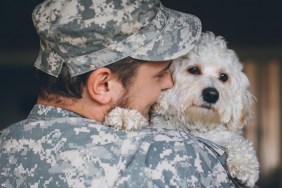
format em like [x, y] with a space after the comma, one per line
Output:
[194, 70]
[223, 77]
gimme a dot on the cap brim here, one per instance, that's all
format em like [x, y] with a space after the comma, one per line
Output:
[176, 39]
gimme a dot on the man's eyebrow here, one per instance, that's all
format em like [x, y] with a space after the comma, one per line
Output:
[164, 70]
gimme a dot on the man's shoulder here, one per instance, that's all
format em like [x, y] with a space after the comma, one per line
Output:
[81, 146]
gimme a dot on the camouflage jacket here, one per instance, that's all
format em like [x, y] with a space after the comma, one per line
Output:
[54, 147]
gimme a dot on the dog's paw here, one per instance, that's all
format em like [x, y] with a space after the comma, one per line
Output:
[127, 119]
[246, 173]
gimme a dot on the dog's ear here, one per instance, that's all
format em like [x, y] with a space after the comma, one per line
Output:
[165, 103]
[248, 103]
[161, 106]
[242, 112]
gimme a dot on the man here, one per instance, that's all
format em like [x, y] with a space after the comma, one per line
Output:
[96, 55]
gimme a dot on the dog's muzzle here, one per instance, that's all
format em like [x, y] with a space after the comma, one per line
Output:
[210, 95]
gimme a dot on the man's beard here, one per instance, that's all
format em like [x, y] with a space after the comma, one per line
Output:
[124, 102]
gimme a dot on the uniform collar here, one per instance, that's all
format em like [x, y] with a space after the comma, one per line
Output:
[42, 112]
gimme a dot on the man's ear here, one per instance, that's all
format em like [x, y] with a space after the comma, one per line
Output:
[98, 85]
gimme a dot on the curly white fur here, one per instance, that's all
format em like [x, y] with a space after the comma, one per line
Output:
[210, 99]
[127, 119]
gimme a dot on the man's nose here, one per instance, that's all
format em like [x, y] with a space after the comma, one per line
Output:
[167, 82]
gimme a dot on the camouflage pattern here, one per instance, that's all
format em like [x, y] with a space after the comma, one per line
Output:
[57, 148]
[88, 34]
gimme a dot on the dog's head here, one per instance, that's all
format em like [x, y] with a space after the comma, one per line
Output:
[210, 88]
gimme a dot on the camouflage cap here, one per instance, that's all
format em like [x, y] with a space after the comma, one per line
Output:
[88, 34]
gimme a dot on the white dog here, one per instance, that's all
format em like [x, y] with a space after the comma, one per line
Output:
[210, 99]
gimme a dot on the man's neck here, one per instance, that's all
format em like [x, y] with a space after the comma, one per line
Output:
[79, 106]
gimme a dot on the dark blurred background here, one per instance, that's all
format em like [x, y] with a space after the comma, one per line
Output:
[253, 28]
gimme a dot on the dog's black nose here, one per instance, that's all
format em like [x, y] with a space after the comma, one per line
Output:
[210, 95]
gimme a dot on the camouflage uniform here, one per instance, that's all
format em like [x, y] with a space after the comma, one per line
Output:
[54, 147]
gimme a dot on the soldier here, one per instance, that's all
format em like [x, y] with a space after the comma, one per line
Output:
[96, 55]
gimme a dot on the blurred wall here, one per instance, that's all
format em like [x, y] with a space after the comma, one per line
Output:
[264, 73]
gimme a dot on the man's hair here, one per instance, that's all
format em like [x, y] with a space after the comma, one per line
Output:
[66, 86]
